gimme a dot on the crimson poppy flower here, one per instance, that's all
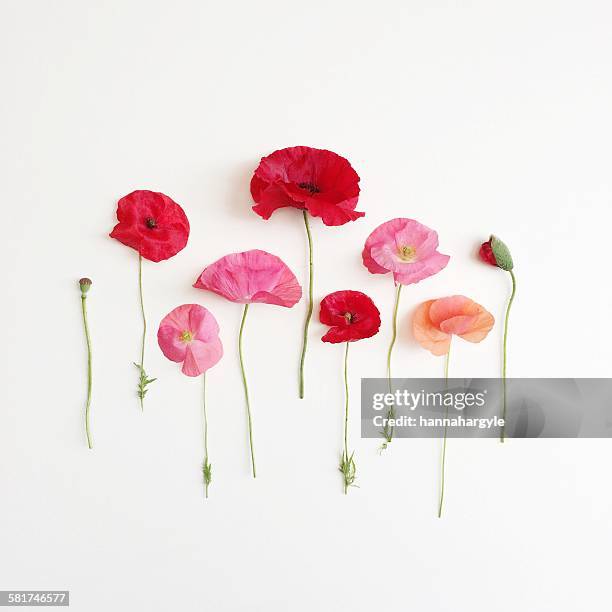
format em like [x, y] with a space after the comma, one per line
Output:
[317, 182]
[351, 316]
[156, 226]
[152, 224]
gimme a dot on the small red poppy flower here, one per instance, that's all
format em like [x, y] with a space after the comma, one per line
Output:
[351, 315]
[319, 181]
[151, 223]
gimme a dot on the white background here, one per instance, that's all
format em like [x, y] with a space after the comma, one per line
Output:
[472, 117]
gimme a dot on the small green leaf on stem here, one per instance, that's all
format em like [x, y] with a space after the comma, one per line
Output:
[348, 469]
[143, 381]
[207, 473]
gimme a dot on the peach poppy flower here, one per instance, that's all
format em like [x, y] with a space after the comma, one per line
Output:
[434, 324]
[436, 321]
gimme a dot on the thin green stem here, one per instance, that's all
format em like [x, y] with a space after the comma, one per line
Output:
[387, 430]
[346, 399]
[246, 389]
[206, 467]
[310, 306]
[144, 330]
[443, 462]
[89, 372]
[393, 332]
[347, 462]
[502, 434]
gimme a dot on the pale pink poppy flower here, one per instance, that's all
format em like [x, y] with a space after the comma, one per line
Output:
[246, 278]
[252, 276]
[190, 335]
[406, 248]
[436, 321]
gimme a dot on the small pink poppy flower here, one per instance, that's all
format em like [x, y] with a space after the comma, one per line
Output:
[190, 335]
[252, 276]
[406, 248]
[436, 321]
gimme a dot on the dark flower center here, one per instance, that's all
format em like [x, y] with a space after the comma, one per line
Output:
[151, 223]
[309, 187]
[349, 316]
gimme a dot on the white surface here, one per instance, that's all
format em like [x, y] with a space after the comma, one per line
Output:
[471, 117]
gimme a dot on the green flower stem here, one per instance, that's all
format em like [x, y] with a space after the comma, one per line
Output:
[89, 373]
[502, 434]
[310, 305]
[246, 389]
[346, 400]
[388, 431]
[347, 462]
[143, 379]
[394, 332]
[144, 318]
[206, 467]
[443, 463]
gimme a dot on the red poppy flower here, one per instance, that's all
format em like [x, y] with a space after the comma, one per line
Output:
[316, 180]
[152, 224]
[351, 315]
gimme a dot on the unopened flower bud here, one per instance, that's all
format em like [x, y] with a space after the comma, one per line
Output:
[496, 253]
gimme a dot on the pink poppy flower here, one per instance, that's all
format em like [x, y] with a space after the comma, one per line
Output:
[251, 276]
[408, 250]
[436, 321]
[247, 278]
[405, 248]
[190, 335]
